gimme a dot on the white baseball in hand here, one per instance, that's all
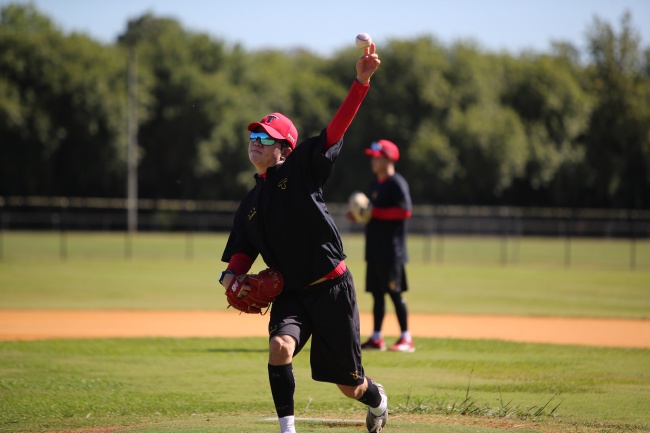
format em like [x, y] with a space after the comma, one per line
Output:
[363, 40]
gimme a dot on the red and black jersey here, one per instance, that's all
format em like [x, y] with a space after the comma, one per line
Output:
[284, 218]
[386, 231]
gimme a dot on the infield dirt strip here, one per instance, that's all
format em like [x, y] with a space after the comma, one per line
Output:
[49, 324]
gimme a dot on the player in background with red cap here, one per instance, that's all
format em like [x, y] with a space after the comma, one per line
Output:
[385, 251]
[285, 220]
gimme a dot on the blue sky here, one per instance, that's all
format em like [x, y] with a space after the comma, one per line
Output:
[323, 27]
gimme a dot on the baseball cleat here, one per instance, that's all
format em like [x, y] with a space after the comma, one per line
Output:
[374, 344]
[376, 423]
[403, 345]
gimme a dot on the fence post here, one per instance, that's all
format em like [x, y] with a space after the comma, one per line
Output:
[2, 231]
[567, 243]
[632, 216]
[6, 219]
[440, 244]
[504, 240]
[517, 240]
[428, 235]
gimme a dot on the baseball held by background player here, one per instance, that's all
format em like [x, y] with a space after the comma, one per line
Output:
[283, 218]
[386, 255]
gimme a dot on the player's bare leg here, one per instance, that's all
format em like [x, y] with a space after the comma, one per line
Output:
[372, 395]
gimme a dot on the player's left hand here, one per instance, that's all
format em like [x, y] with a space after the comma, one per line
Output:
[254, 293]
[245, 290]
[367, 64]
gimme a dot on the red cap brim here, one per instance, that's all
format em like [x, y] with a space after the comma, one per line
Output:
[272, 132]
[375, 153]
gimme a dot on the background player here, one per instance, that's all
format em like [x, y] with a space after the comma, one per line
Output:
[284, 219]
[385, 250]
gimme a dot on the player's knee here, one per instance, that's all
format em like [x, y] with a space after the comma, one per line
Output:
[353, 392]
[281, 348]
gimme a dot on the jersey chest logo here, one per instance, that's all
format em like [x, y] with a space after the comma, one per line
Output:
[283, 183]
[252, 213]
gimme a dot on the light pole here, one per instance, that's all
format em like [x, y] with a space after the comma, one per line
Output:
[132, 145]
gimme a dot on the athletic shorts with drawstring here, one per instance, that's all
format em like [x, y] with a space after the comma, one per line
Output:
[328, 313]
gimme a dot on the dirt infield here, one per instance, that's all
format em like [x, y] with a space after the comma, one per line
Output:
[48, 324]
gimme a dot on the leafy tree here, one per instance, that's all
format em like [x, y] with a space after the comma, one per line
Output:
[618, 139]
[60, 115]
[549, 129]
[546, 93]
[488, 137]
[181, 106]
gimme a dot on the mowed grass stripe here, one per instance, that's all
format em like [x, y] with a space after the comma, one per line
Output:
[160, 275]
[69, 384]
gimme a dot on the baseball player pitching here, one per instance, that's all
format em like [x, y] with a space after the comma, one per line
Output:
[284, 219]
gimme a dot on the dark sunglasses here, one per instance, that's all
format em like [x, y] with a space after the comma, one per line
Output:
[265, 138]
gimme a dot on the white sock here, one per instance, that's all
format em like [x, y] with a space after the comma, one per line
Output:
[376, 335]
[381, 408]
[287, 424]
[406, 335]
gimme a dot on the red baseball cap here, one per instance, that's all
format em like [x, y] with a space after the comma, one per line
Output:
[278, 126]
[383, 148]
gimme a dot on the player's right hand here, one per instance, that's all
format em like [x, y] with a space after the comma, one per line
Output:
[367, 64]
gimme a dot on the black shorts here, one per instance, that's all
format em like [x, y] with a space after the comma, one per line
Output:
[328, 313]
[385, 277]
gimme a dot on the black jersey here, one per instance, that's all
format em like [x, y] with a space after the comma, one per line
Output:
[386, 239]
[284, 217]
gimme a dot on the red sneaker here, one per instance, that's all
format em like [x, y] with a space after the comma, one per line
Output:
[403, 346]
[374, 344]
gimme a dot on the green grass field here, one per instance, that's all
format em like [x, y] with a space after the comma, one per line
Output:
[180, 272]
[219, 385]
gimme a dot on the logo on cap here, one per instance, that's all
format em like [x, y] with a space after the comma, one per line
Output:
[268, 119]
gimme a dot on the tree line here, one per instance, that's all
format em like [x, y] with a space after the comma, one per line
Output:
[559, 128]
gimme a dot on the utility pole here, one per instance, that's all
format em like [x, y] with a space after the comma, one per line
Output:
[132, 146]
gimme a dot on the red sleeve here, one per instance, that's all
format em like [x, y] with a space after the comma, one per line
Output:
[240, 263]
[344, 115]
[390, 213]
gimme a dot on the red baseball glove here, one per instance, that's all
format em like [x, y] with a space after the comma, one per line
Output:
[262, 290]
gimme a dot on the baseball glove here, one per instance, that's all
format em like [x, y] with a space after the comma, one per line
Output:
[360, 207]
[264, 288]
